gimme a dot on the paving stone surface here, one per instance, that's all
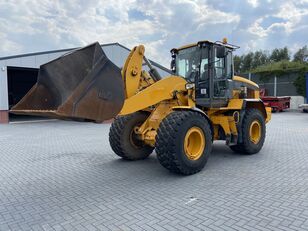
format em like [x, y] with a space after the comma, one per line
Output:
[60, 175]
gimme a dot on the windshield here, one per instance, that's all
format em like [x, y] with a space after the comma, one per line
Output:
[187, 63]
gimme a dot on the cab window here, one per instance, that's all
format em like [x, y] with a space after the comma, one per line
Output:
[204, 66]
[219, 66]
[187, 63]
[223, 66]
[229, 65]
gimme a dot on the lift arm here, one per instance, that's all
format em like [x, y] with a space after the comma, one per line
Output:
[132, 74]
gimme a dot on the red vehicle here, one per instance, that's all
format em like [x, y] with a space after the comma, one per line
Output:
[277, 103]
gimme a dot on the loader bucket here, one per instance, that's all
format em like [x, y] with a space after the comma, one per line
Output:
[82, 84]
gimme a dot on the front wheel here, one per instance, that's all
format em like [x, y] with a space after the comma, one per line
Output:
[253, 133]
[184, 142]
[123, 140]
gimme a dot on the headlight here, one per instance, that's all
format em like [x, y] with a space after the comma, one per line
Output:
[189, 86]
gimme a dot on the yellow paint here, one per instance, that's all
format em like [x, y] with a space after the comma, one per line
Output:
[233, 104]
[194, 143]
[268, 114]
[216, 132]
[164, 96]
[182, 107]
[232, 125]
[132, 69]
[181, 97]
[191, 98]
[236, 94]
[145, 80]
[193, 44]
[159, 91]
[224, 41]
[226, 122]
[241, 79]
[255, 132]
[149, 137]
[123, 71]
[187, 46]
[148, 130]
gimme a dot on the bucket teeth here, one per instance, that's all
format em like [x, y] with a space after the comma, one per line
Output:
[82, 84]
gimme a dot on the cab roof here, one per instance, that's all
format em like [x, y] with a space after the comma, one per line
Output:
[206, 41]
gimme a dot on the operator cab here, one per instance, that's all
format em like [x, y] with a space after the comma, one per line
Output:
[209, 66]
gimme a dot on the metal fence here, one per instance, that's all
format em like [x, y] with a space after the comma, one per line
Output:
[276, 86]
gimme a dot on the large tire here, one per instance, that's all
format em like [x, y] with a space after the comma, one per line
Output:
[122, 139]
[250, 145]
[237, 148]
[172, 143]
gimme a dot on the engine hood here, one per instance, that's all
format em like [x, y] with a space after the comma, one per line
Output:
[246, 82]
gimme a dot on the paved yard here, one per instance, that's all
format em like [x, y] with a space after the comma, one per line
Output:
[63, 176]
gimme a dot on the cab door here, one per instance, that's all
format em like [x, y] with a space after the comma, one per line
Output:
[213, 87]
[203, 85]
[222, 70]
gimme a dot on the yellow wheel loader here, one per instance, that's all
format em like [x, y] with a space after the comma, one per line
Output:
[179, 116]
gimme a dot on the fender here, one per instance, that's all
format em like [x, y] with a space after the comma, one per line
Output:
[179, 108]
[258, 103]
[253, 103]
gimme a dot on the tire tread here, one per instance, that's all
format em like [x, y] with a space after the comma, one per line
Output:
[116, 138]
[165, 141]
[245, 147]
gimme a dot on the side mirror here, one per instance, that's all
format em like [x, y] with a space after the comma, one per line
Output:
[221, 52]
[172, 65]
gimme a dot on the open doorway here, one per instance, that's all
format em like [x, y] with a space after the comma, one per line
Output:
[20, 81]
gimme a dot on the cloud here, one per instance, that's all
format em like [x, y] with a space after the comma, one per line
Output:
[29, 26]
[253, 3]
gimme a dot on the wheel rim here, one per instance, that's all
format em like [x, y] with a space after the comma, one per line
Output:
[194, 143]
[255, 132]
[137, 143]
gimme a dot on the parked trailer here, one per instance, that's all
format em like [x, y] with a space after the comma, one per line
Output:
[277, 103]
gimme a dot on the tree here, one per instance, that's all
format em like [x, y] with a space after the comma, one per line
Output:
[279, 54]
[259, 58]
[247, 61]
[301, 55]
[300, 84]
[237, 64]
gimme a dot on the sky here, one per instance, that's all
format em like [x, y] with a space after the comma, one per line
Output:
[42, 25]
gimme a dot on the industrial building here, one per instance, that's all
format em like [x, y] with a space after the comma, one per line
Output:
[19, 73]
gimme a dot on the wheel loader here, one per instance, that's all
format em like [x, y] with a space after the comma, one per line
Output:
[180, 116]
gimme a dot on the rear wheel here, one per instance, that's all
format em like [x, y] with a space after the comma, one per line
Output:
[123, 140]
[184, 142]
[253, 133]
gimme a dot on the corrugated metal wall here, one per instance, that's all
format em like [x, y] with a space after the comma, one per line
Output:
[4, 102]
[30, 61]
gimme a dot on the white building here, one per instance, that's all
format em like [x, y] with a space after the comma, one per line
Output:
[19, 73]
